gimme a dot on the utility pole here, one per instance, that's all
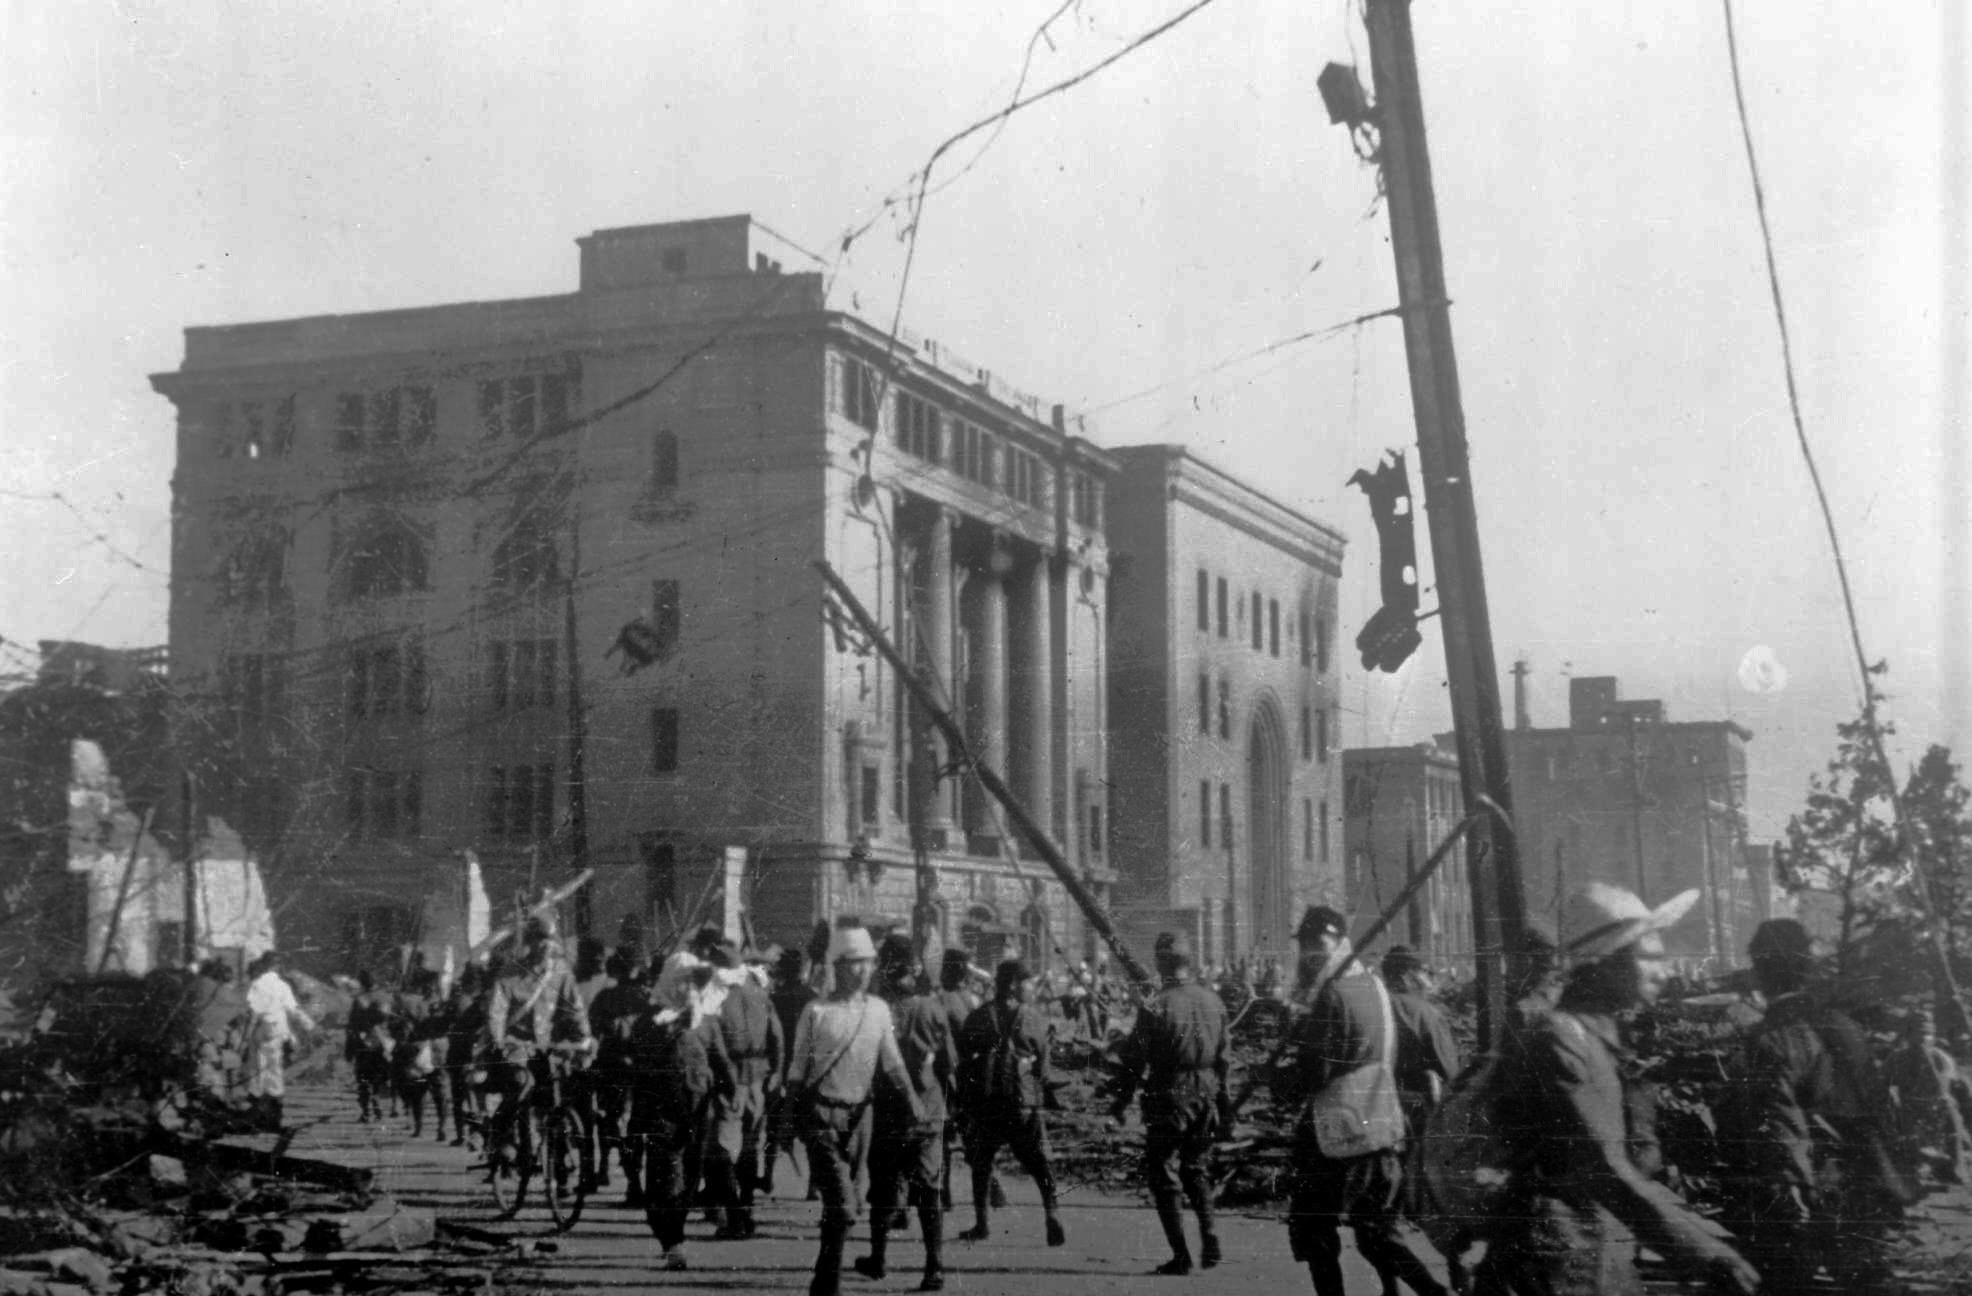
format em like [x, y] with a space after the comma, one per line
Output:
[1498, 901]
[1636, 808]
[578, 796]
[188, 790]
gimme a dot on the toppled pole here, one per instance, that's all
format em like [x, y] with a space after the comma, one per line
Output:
[989, 779]
[500, 935]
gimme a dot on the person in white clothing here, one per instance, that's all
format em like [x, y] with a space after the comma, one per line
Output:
[839, 1042]
[276, 1018]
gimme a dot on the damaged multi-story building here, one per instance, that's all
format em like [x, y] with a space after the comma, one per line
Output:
[534, 580]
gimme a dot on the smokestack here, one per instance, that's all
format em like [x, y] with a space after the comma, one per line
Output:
[1520, 720]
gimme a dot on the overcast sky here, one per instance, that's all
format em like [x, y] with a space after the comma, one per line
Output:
[1644, 508]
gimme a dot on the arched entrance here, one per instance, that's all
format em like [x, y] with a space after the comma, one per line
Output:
[1267, 887]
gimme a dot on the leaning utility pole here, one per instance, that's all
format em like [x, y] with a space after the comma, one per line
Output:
[1498, 903]
[578, 793]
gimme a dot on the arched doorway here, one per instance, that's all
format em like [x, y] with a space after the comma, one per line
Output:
[1267, 887]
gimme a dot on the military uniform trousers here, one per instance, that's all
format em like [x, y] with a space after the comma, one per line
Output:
[1004, 1123]
[1362, 1192]
[907, 1165]
[837, 1136]
[660, 1145]
[1178, 1131]
[736, 1143]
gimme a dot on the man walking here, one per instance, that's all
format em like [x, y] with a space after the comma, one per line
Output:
[533, 1008]
[276, 1016]
[735, 1144]
[670, 1080]
[1346, 1166]
[1178, 1052]
[839, 1044]
[905, 1151]
[1576, 1206]
[1003, 1070]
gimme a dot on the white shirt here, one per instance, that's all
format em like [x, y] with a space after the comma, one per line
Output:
[271, 1001]
[859, 1031]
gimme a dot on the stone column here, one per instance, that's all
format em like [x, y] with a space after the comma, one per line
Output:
[990, 742]
[1039, 792]
[940, 603]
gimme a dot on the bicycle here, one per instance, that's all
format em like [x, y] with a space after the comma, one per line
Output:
[551, 1142]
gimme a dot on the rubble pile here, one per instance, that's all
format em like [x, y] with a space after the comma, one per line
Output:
[125, 1167]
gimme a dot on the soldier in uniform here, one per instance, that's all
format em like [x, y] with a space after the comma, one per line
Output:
[1178, 1052]
[534, 1007]
[790, 994]
[839, 1044]
[905, 1152]
[612, 1013]
[960, 1003]
[367, 1045]
[735, 1140]
[1810, 1124]
[1337, 1045]
[1003, 1070]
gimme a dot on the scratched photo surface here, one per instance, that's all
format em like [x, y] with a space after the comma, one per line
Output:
[1016, 648]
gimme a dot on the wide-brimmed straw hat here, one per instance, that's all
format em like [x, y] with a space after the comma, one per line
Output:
[1601, 919]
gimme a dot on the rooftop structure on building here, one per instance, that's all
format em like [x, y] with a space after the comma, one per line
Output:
[414, 549]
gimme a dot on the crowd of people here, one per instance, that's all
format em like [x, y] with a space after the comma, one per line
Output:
[704, 1069]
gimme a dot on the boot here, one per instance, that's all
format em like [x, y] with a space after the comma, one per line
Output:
[1173, 1224]
[981, 1212]
[1056, 1235]
[1198, 1194]
[828, 1262]
[931, 1218]
[872, 1265]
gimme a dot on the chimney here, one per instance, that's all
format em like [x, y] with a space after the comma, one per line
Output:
[1520, 720]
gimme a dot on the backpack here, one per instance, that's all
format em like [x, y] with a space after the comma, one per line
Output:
[999, 1067]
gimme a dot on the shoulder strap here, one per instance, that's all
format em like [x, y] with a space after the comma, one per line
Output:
[1389, 1058]
[855, 1033]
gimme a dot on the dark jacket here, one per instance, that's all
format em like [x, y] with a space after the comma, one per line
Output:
[671, 1074]
[750, 1029]
[1577, 1204]
[1342, 1031]
[1177, 1051]
[931, 1056]
[1003, 1051]
[1425, 1045]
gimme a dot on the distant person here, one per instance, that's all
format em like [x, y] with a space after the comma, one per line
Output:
[367, 1045]
[534, 1007]
[276, 1017]
[1427, 1061]
[670, 1077]
[1933, 1099]
[736, 1134]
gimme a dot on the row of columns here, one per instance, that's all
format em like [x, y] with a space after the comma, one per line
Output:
[945, 583]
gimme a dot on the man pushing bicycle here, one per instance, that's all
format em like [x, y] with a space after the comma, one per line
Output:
[534, 1007]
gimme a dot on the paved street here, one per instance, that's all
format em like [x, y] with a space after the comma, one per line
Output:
[1113, 1242]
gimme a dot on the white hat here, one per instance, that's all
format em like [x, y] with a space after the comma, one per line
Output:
[1601, 919]
[851, 943]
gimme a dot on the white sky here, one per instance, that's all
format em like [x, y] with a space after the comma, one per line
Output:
[1645, 512]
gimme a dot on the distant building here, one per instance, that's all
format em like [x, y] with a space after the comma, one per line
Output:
[1624, 795]
[402, 538]
[1222, 704]
[1399, 804]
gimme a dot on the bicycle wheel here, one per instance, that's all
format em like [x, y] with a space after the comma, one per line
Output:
[509, 1176]
[562, 1180]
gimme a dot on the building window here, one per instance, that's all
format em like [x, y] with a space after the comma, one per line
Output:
[1225, 816]
[1321, 645]
[254, 429]
[386, 558]
[1273, 627]
[1205, 704]
[973, 453]
[1307, 734]
[1258, 628]
[256, 571]
[872, 797]
[1205, 814]
[1307, 829]
[520, 802]
[1307, 641]
[1204, 600]
[1026, 480]
[1222, 607]
[385, 420]
[523, 674]
[1225, 707]
[666, 616]
[663, 740]
[529, 555]
[663, 462]
[917, 427]
[526, 407]
[382, 805]
[1084, 500]
[1095, 828]
[1321, 734]
[1322, 829]
[856, 392]
[389, 680]
[660, 874]
[253, 686]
